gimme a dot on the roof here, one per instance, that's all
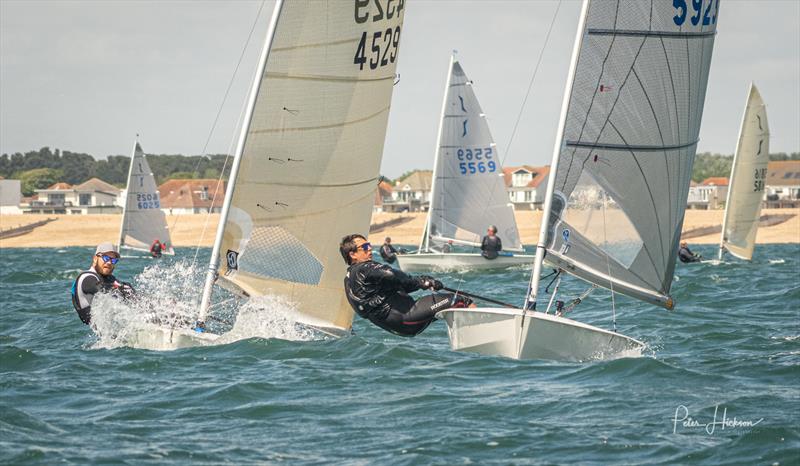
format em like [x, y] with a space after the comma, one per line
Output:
[539, 175]
[61, 186]
[188, 193]
[783, 173]
[418, 180]
[384, 190]
[715, 181]
[96, 184]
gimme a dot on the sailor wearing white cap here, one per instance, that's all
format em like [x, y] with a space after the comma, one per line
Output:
[98, 278]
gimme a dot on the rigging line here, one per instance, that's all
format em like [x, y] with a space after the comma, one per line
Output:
[222, 105]
[530, 84]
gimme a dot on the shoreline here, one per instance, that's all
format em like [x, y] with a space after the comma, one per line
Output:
[187, 230]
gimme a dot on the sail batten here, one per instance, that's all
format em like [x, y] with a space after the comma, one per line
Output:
[631, 123]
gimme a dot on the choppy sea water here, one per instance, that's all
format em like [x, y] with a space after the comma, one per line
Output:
[729, 352]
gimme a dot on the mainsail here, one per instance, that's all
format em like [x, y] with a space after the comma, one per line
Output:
[307, 164]
[143, 221]
[748, 175]
[469, 191]
[626, 144]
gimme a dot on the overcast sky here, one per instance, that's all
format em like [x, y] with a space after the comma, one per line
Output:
[86, 76]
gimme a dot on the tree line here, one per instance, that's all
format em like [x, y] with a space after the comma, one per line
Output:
[40, 169]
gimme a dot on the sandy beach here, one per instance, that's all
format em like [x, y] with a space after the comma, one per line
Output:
[188, 230]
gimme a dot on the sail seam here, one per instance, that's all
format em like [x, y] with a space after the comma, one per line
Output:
[319, 44]
[311, 77]
[643, 33]
[629, 147]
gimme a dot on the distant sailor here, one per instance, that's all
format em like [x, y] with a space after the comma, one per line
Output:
[156, 248]
[388, 252]
[379, 293]
[98, 279]
[491, 244]
[686, 256]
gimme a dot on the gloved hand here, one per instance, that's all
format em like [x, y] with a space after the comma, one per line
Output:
[429, 283]
[127, 291]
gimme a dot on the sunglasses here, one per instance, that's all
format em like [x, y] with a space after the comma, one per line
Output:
[106, 258]
[365, 247]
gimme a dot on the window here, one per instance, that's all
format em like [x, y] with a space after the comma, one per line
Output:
[56, 198]
[204, 193]
[85, 199]
[787, 175]
[528, 196]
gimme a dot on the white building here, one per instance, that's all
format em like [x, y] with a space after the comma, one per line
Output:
[94, 196]
[783, 184]
[709, 194]
[10, 196]
[411, 194]
[526, 186]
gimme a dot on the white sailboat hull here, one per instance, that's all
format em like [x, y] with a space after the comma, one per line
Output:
[158, 338]
[518, 334]
[456, 261]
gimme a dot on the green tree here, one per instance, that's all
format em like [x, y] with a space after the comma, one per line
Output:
[38, 178]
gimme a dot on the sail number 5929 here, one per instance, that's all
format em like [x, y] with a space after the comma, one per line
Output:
[682, 10]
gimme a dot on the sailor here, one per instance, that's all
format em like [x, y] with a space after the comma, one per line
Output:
[388, 252]
[156, 248]
[379, 293]
[98, 279]
[447, 247]
[491, 244]
[686, 256]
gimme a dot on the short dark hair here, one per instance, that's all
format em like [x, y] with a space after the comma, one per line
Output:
[348, 245]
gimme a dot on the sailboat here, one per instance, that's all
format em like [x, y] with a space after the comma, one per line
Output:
[307, 161]
[619, 178]
[748, 177]
[468, 190]
[143, 221]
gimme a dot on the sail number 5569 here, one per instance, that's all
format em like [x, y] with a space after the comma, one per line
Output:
[472, 161]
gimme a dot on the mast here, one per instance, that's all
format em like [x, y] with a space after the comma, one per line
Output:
[213, 264]
[427, 230]
[127, 195]
[733, 173]
[530, 300]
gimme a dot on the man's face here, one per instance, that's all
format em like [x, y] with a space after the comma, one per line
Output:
[361, 255]
[490, 231]
[105, 267]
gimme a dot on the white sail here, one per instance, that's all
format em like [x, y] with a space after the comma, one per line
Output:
[627, 140]
[143, 221]
[469, 191]
[308, 159]
[748, 175]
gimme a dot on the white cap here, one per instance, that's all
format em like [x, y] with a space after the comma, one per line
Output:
[105, 247]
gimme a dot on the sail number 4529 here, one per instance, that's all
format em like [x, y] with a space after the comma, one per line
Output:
[473, 161]
[377, 48]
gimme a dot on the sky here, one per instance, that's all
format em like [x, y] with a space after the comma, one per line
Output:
[87, 76]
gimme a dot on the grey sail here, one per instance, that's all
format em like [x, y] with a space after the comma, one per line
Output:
[143, 221]
[469, 191]
[628, 142]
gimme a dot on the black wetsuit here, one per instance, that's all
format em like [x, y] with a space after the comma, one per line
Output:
[686, 256]
[88, 284]
[389, 253]
[491, 246]
[379, 293]
[155, 250]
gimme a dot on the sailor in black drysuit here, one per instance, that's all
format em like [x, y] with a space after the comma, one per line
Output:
[686, 256]
[379, 293]
[491, 244]
[98, 279]
[388, 252]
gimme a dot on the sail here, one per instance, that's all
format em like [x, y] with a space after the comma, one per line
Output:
[748, 175]
[310, 154]
[627, 144]
[469, 191]
[143, 221]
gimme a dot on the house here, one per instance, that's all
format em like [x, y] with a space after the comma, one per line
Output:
[783, 184]
[382, 194]
[526, 186]
[94, 196]
[189, 196]
[708, 194]
[412, 193]
[10, 196]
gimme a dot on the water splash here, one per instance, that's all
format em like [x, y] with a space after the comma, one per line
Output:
[165, 308]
